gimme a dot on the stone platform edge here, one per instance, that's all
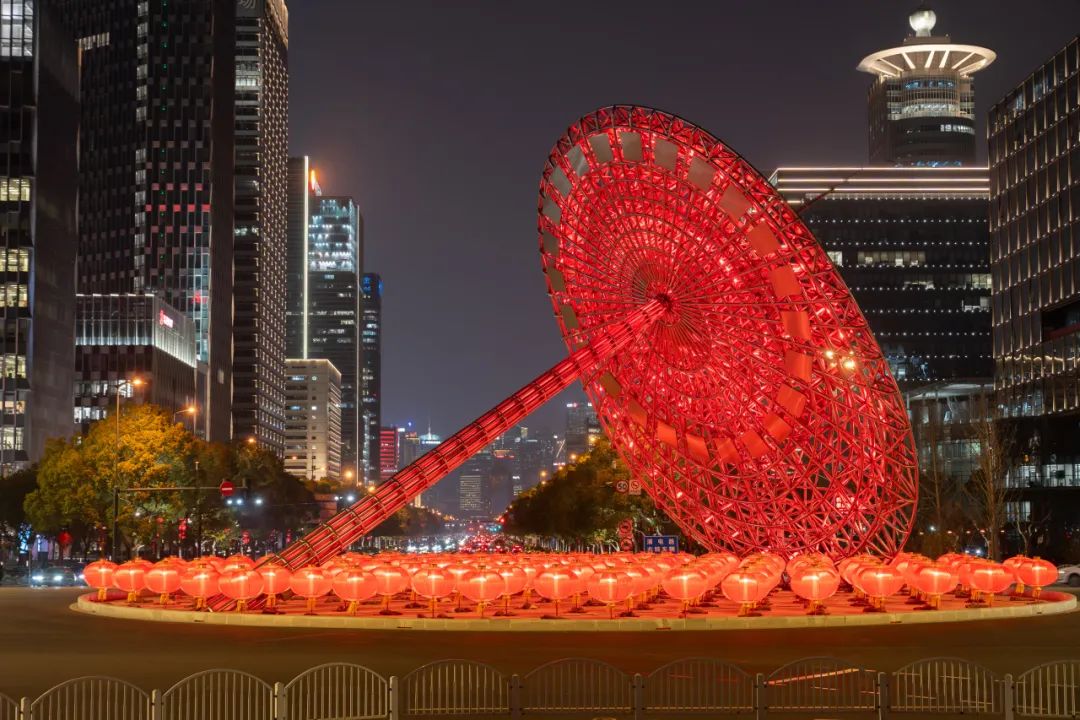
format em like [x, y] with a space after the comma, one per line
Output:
[1055, 603]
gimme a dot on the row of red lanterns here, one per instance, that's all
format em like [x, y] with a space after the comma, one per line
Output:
[608, 579]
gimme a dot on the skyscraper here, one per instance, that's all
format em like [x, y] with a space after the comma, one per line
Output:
[182, 184]
[323, 295]
[371, 288]
[922, 102]
[313, 424]
[303, 191]
[39, 109]
[582, 428]
[1035, 258]
[335, 252]
[261, 147]
[389, 452]
[156, 167]
[912, 245]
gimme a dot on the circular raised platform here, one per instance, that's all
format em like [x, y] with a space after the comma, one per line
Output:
[786, 613]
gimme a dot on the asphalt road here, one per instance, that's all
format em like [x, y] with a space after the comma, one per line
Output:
[43, 642]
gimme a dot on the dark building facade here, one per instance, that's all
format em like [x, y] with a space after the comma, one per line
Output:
[1034, 157]
[39, 112]
[371, 290]
[156, 167]
[922, 103]
[123, 338]
[912, 244]
[302, 191]
[259, 253]
[333, 319]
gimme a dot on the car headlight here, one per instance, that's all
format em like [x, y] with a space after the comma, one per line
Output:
[37, 578]
[58, 578]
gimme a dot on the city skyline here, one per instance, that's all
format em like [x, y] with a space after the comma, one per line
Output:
[449, 351]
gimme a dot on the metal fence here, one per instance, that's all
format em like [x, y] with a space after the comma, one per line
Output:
[940, 687]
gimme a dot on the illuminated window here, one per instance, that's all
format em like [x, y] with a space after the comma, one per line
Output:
[15, 260]
[13, 366]
[14, 189]
[11, 438]
[16, 28]
[13, 295]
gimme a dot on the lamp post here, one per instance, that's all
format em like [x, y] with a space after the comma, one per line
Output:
[189, 410]
[132, 383]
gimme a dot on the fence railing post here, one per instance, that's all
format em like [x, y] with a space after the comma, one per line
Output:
[637, 689]
[278, 702]
[1008, 697]
[759, 696]
[393, 699]
[882, 696]
[155, 705]
[24, 709]
[515, 697]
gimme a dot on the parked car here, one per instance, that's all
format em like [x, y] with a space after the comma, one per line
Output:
[1069, 574]
[54, 576]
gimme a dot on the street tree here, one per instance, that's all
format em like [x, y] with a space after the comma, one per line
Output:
[987, 491]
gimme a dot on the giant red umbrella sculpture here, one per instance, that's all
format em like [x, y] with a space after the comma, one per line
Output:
[727, 361]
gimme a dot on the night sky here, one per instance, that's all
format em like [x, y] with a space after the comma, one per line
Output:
[438, 116]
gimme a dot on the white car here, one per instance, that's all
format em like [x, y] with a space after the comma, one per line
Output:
[1069, 575]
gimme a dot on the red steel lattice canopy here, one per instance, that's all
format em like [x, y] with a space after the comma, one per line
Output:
[728, 362]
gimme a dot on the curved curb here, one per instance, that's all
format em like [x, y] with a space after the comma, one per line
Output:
[1057, 603]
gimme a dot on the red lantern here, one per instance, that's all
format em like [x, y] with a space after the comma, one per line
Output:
[482, 586]
[200, 583]
[610, 588]
[746, 588]
[684, 584]
[556, 584]
[241, 585]
[1013, 565]
[1037, 573]
[131, 578]
[934, 580]
[433, 583]
[311, 583]
[991, 579]
[516, 580]
[458, 571]
[354, 585]
[815, 584]
[276, 580]
[99, 575]
[879, 583]
[163, 579]
[389, 581]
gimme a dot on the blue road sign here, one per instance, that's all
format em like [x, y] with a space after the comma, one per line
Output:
[661, 543]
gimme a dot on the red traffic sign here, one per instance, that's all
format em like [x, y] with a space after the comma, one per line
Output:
[227, 488]
[621, 486]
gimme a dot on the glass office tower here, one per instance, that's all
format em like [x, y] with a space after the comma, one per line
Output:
[39, 113]
[371, 374]
[1035, 257]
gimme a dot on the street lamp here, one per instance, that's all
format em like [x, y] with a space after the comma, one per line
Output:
[189, 410]
[132, 383]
